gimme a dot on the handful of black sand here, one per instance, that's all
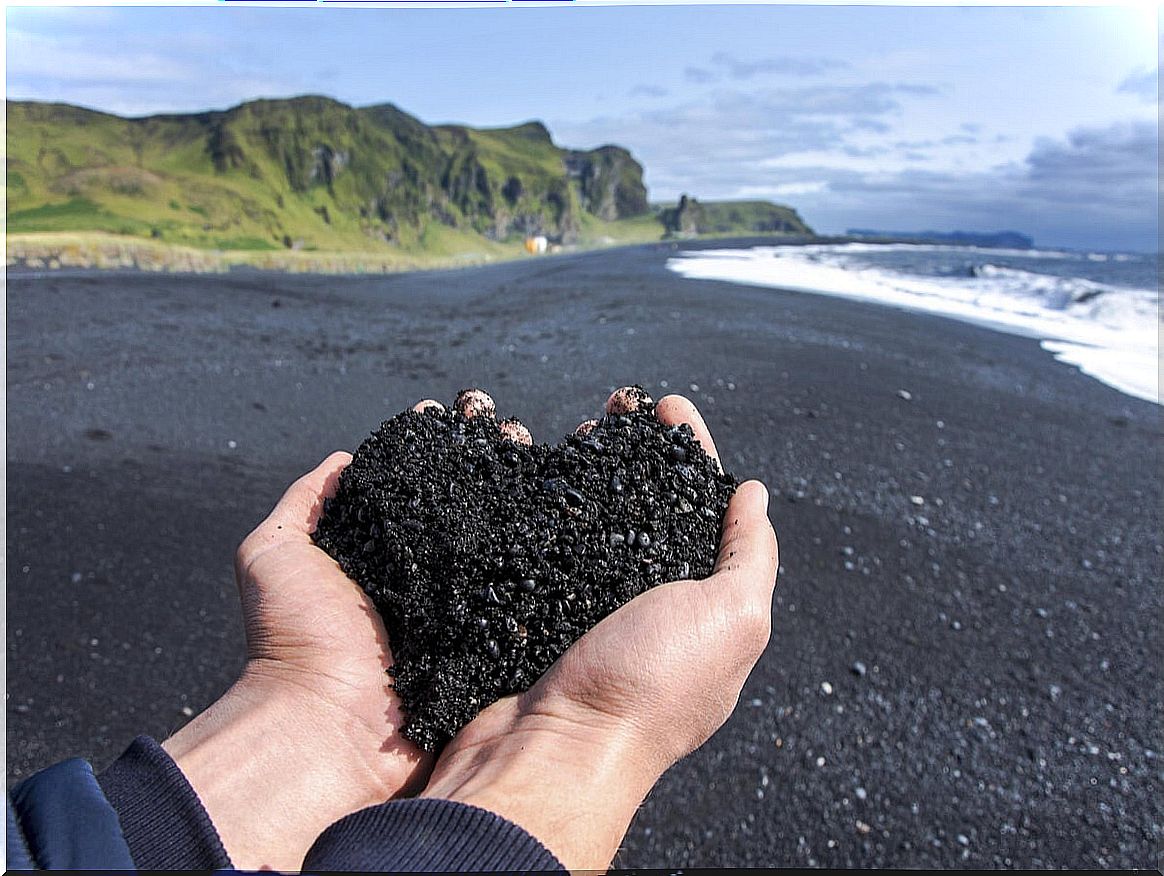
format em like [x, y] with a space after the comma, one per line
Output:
[488, 558]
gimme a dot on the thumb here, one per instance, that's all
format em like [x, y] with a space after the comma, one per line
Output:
[295, 516]
[748, 552]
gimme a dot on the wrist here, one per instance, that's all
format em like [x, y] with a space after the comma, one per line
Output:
[272, 766]
[574, 787]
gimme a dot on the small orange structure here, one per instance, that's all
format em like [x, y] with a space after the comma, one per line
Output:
[536, 245]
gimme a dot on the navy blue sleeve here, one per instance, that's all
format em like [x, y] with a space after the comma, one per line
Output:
[425, 835]
[142, 813]
[62, 821]
[16, 853]
[164, 823]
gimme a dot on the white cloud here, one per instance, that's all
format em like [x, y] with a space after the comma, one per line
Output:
[782, 190]
[61, 60]
[1095, 187]
[1144, 84]
[782, 65]
[130, 76]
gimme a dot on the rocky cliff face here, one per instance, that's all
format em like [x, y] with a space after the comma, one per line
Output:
[609, 180]
[685, 219]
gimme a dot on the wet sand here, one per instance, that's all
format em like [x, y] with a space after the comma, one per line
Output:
[974, 680]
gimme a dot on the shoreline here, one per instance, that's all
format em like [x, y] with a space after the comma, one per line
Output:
[1119, 349]
[68, 252]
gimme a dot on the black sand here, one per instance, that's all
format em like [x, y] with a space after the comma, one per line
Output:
[1008, 711]
[487, 558]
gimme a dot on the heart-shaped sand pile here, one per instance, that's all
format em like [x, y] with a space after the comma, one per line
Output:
[488, 558]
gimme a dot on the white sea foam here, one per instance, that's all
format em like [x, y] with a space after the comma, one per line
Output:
[1110, 333]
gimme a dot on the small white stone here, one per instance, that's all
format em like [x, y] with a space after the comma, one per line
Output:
[826, 688]
[187, 711]
[917, 500]
[905, 394]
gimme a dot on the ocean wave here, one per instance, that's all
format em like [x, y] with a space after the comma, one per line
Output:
[1109, 332]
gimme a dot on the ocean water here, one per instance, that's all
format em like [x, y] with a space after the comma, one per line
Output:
[1097, 311]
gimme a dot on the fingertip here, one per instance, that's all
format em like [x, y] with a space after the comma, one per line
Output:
[627, 399]
[755, 493]
[422, 406]
[585, 427]
[331, 469]
[472, 402]
[515, 430]
[336, 459]
[675, 409]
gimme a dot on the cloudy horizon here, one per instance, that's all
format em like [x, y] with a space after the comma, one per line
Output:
[1043, 121]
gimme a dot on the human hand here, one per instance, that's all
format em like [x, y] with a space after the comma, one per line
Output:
[571, 758]
[309, 733]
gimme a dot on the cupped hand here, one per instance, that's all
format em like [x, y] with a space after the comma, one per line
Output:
[571, 758]
[310, 732]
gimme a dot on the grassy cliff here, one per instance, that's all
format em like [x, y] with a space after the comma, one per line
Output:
[307, 173]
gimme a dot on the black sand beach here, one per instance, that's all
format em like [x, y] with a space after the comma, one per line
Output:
[971, 678]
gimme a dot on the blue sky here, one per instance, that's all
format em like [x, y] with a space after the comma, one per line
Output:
[906, 118]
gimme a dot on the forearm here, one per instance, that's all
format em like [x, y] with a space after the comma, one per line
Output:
[255, 761]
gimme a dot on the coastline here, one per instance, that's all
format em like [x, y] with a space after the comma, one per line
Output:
[1005, 624]
[110, 253]
[69, 252]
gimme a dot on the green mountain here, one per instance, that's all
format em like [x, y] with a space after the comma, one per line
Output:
[307, 173]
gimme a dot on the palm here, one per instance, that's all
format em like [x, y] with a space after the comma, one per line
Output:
[643, 653]
[308, 624]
